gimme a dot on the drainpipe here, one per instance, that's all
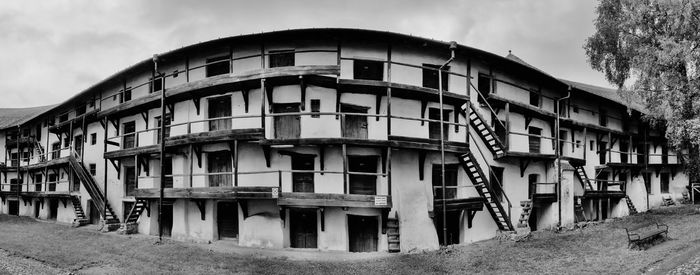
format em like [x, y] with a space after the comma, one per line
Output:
[453, 47]
[162, 148]
[558, 152]
[19, 161]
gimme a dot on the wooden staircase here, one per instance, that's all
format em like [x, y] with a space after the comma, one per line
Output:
[392, 233]
[583, 177]
[78, 209]
[633, 210]
[39, 149]
[486, 133]
[476, 175]
[524, 220]
[136, 211]
[92, 189]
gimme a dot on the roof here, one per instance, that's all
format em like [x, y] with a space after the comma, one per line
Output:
[15, 116]
[607, 93]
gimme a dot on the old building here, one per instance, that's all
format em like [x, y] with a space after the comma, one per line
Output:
[333, 139]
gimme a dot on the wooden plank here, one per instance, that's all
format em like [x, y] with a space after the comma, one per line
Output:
[401, 90]
[240, 192]
[331, 200]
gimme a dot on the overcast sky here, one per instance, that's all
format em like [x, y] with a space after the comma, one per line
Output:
[50, 50]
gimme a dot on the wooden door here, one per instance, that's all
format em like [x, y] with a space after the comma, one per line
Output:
[355, 126]
[287, 126]
[130, 179]
[363, 184]
[302, 228]
[220, 162]
[496, 182]
[450, 181]
[534, 139]
[129, 138]
[624, 147]
[37, 209]
[641, 153]
[167, 219]
[227, 220]
[602, 179]
[53, 209]
[13, 208]
[78, 144]
[302, 181]
[220, 107]
[602, 152]
[453, 218]
[168, 171]
[362, 231]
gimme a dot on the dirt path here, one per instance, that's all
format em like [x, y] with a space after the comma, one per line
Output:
[16, 264]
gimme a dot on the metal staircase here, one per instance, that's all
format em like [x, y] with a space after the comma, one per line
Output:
[524, 220]
[136, 211]
[583, 177]
[78, 209]
[486, 133]
[92, 189]
[493, 203]
[633, 210]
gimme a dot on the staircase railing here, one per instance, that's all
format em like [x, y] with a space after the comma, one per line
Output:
[486, 103]
[497, 183]
[88, 182]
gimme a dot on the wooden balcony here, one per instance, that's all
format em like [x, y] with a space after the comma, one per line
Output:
[334, 200]
[230, 192]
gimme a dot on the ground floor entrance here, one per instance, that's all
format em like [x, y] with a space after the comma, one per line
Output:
[53, 209]
[227, 220]
[303, 228]
[363, 233]
[13, 208]
[453, 220]
[94, 213]
[167, 219]
[37, 209]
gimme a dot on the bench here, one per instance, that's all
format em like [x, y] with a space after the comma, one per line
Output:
[645, 232]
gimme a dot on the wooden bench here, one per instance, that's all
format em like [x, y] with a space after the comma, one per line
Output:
[645, 232]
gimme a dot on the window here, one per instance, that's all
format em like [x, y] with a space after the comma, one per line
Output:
[55, 150]
[217, 66]
[578, 143]
[302, 181]
[38, 132]
[157, 84]
[281, 58]
[219, 166]
[25, 132]
[535, 99]
[167, 129]
[63, 118]
[25, 156]
[66, 142]
[430, 76]
[603, 117]
[365, 183]
[532, 180]
[93, 169]
[168, 172]
[127, 95]
[534, 139]
[434, 126]
[664, 182]
[15, 159]
[37, 182]
[368, 69]
[315, 107]
[484, 84]
[450, 181]
[592, 146]
[93, 138]
[80, 110]
[129, 138]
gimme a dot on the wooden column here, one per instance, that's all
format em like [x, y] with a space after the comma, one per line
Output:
[388, 93]
[585, 142]
[106, 124]
[235, 163]
[506, 144]
[345, 168]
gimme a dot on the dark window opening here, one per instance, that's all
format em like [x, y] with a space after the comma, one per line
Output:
[602, 152]
[37, 182]
[66, 142]
[368, 69]
[53, 179]
[603, 118]
[534, 139]
[484, 84]
[55, 150]
[496, 181]
[302, 181]
[220, 107]
[130, 180]
[592, 145]
[93, 169]
[450, 181]
[575, 107]
[80, 110]
[167, 129]
[535, 99]
[315, 107]
[217, 66]
[219, 166]
[532, 184]
[430, 76]
[38, 132]
[624, 149]
[168, 172]
[664, 154]
[93, 138]
[281, 58]
[127, 95]
[14, 160]
[434, 126]
[63, 118]
[157, 84]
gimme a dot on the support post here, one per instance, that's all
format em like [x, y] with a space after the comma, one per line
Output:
[162, 152]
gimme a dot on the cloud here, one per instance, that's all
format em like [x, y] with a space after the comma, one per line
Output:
[52, 50]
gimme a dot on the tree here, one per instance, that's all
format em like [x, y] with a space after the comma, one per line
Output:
[653, 46]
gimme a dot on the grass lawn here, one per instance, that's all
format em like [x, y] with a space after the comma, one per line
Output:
[600, 248]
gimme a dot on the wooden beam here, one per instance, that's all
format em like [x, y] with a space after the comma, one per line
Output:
[345, 168]
[196, 101]
[266, 151]
[423, 106]
[244, 93]
[421, 164]
[201, 204]
[377, 104]
[197, 148]
[528, 119]
[269, 92]
[117, 166]
[171, 108]
[302, 86]
[144, 115]
[323, 218]
[524, 163]
[322, 157]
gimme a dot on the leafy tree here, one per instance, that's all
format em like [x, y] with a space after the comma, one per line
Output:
[653, 46]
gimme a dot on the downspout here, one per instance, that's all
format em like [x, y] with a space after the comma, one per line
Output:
[19, 161]
[558, 152]
[162, 148]
[453, 47]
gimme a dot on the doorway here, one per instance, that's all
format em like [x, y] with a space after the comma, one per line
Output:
[130, 179]
[287, 126]
[602, 151]
[78, 144]
[53, 209]
[362, 233]
[534, 139]
[453, 218]
[167, 219]
[94, 213]
[227, 220]
[37, 209]
[13, 208]
[363, 184]
[220, 107]
[220, 165]
[355, 125]
[302, 228]
[434, 124]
